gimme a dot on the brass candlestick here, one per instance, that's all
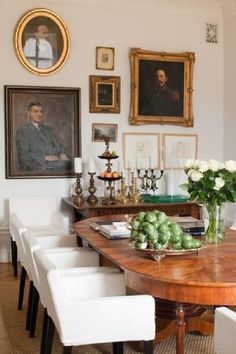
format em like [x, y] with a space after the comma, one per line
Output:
[123, 189]
[134, 192]
[78, 197]
[92, 199]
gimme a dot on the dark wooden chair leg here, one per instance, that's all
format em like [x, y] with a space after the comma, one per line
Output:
[148, 347]
[67, 349]
[21, 288]
[49, 336]
[118, 348]
[14, 256]
[34, 312]
[29, 308]
[44, 332]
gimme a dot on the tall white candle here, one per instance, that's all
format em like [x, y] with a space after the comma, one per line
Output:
[138, 163]
[170, 182]
[161, 165]
[91, 166]
[78, 164]
[147, 163]
[151, 162]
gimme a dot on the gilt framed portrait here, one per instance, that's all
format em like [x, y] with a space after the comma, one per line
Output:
[161, 87]
[42, 41]
[104, 94]
[42, 126]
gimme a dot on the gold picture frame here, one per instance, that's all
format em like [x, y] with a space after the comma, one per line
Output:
[141, 150]
[177, 148]
[104, 94]
[105, 58]
[42, 41]
[161, 87]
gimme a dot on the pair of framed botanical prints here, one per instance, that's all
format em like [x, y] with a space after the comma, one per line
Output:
[166, 151]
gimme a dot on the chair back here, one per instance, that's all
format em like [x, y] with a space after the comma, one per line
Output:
[224, 331]
[33, 211]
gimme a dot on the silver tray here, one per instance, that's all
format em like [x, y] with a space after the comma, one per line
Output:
[159, 254]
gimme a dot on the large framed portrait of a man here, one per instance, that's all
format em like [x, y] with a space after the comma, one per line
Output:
[161, 88]
[42, 131]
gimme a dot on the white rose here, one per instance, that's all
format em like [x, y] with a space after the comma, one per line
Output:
[189, 163]
[213, 165]
[196, 163]
[230, 165]
[219, 183]
[189, 174]
[196, 176]
[203, 166]
[221, 165]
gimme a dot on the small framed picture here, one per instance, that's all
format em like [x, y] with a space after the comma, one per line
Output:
[141, 150]
[104, 94]
[42, 41]
[177, 148]
[100, 131]
[105, 58]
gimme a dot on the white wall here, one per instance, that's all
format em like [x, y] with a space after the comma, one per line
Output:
[122, 26]
[229, 88]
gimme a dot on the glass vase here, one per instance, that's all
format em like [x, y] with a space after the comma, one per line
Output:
[214, 221]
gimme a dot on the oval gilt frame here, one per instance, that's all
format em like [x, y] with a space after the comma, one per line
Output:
[56, 46]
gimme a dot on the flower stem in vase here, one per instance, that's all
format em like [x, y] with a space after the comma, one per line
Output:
[214, 217]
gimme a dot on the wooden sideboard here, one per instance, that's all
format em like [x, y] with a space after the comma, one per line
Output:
[87, 210]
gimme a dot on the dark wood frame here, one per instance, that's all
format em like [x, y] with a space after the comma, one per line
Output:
[144, 63]
[112, 95]
[101, 125]
[61, 112]
[56, 26]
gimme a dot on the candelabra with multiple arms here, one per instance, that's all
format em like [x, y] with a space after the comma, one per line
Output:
[149, 179]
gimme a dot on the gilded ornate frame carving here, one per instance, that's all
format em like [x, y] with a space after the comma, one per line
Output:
[57, 38]
[104, 92]
[178, 67]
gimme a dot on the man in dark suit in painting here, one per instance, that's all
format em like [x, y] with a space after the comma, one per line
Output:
[37, 146]
[164, 101]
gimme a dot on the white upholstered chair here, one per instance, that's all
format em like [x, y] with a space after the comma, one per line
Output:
[61, 257]
[88, 307]
[225, 330]
[39, 214]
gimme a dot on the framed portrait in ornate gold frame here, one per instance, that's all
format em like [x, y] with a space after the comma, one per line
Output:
[161, 87]
[42, 41]
[104, 94]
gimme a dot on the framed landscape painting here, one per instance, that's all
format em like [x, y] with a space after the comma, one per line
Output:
[42, 127]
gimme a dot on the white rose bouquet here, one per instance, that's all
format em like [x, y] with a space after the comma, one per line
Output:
[212, 183]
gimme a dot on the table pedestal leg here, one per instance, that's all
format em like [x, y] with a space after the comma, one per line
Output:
[180, 333]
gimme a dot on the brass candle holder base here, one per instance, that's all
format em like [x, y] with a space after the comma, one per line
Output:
[92, 199]
[78, 197]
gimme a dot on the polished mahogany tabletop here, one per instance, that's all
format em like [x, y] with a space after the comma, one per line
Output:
[207, 278]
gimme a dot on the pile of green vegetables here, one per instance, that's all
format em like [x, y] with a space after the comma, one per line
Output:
[154, 230]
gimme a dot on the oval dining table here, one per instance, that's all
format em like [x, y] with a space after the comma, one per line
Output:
[204, 278]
